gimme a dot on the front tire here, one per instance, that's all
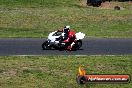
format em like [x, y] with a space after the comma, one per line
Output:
[45, 45]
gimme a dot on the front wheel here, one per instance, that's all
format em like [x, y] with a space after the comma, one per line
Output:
[45, 45]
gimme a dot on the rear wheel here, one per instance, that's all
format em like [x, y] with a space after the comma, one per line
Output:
[78, 44]
[45, 45]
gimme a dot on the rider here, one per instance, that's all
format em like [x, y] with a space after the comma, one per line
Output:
[69, 37]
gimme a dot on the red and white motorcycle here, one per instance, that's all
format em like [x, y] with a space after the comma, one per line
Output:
[54, 41]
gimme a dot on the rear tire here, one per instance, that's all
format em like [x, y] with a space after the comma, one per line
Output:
[45, 45]
[78, 44]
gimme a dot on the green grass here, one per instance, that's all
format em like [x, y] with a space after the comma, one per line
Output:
[60, 71]
[36, 18]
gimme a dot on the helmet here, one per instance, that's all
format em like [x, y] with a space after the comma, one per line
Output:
[66, 29]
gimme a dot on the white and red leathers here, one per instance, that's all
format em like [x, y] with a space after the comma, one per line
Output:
[69, 38]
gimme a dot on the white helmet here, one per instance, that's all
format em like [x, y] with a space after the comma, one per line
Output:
[66, 29]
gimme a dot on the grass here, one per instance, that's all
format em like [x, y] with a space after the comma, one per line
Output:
[59, 71]
[36, 18]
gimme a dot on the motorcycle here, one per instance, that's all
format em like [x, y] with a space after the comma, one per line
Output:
[54, 41]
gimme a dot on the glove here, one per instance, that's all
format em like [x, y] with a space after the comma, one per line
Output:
[69, 48]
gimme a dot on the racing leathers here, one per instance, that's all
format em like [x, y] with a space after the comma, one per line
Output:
[69, 39]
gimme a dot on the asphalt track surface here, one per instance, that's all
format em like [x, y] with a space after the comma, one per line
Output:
[91, 46]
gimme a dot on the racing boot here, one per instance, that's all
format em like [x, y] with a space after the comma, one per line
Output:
[69, 48]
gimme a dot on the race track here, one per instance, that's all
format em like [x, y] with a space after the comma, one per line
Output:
[91, 46]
